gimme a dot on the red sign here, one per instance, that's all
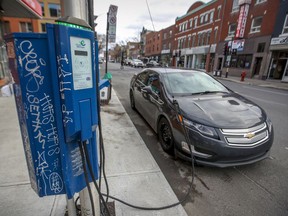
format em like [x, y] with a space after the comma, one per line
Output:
[244, 10]
[33, 6]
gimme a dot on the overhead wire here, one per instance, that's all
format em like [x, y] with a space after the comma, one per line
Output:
[150, 14]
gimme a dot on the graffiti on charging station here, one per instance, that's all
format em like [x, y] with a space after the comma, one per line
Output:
[41, 141]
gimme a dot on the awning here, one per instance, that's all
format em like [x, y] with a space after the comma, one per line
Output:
[21, 8]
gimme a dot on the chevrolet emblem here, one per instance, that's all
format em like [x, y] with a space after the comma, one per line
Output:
[249, 135]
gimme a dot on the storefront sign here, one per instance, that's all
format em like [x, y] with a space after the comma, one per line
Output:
[238, 44]
[279, 41]
[32, 5]
[244, 10]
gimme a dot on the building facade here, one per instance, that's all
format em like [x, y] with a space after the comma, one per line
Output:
[154, 45]
[167, 45]
[15, 16]
[133, 50]
[197, 34]
[51, 10]
[247, 26]
[278, 59]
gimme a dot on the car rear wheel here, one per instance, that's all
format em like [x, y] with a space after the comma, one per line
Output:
[132, 101]
[166, 136]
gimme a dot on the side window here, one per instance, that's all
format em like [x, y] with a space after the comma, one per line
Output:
[141, 78]
[153, 81]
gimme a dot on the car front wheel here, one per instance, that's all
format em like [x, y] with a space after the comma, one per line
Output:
[166, 136]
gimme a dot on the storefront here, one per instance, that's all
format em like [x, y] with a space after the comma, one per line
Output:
[16, 9]
[278, 68]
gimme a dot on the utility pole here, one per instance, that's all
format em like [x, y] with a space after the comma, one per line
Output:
[83, 10]
[107, 34]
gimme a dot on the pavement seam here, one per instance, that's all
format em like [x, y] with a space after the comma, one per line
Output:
[14, 184]
[133, 173]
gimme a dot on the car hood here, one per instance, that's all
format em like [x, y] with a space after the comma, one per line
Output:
[222, 111]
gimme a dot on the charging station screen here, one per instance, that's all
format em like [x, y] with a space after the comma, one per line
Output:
[81, 62]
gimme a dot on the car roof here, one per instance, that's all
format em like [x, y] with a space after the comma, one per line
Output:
[172, 70]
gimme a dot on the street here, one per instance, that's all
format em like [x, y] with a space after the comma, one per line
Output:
[257, 189]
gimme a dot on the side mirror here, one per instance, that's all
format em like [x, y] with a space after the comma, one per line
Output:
[146, 91]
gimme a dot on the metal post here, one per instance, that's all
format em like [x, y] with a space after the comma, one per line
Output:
[86, 208]
[107, 32]
[71, 207]
[80, 9]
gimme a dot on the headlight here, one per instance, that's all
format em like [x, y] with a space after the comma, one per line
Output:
[203, 129]
[269, 124]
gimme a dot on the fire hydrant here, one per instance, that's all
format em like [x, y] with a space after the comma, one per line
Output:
[243, 75]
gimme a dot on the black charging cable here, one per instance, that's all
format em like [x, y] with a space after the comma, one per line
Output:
[83, 156]
[142, 207]
[94, 179]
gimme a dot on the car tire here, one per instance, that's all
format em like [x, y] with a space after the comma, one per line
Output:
[165, 136]
[132, 100]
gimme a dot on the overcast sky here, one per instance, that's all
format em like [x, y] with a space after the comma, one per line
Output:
[134, 14]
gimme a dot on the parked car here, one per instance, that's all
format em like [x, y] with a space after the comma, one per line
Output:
[128, 62]
[152, 63]
[223, 128]
[137, 63]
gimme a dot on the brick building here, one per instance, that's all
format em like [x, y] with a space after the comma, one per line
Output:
[51, 10]
[16, 16]
[154, 45]
[278, 56]
[167, 45]
[247, 26]
[197, 35]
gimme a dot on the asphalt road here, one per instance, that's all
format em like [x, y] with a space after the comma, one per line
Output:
[258, 189]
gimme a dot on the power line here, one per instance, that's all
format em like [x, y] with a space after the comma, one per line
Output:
[150, 14]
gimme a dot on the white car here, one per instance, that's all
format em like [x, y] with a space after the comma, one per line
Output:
[152, 63]
[137, 63]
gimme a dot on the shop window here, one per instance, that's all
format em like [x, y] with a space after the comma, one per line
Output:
[285, 27]
[25, 27]
[208, 37]
[215, 35]
[241, 61]
[191, 23]
[195, 22]
[54, 10]
[204, 36]
[193, 40]
[42, 7]
[261, 47]
[43, 27]
[5, 27]
[235, 6]
[201, 19]
[259, 1]
[232, 29]
[256, 25]
[206, 18]
[211, 16]
[199, 39]
[219, 12]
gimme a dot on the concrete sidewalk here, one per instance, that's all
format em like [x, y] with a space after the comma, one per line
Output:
[269, 83]
[133, 175]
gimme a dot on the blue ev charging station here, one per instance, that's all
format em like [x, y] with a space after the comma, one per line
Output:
[56, 99]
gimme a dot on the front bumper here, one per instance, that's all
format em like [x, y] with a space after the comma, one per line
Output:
[218, 153]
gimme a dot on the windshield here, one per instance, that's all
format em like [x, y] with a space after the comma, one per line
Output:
[189, 83]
